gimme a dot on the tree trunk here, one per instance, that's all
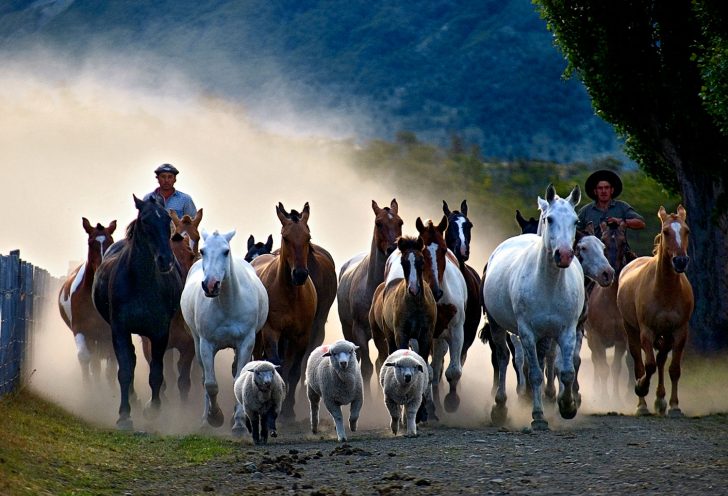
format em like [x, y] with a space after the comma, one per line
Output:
[708, 249]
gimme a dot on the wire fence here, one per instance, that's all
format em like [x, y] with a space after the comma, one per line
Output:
[25, 291]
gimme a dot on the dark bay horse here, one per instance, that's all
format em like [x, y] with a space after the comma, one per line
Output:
[359, 278]
[258, 248]
[287, 332]
[91, 333]
[656, 301]
[137, 290]
[457, 238]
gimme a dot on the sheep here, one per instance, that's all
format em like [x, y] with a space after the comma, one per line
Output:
[406, 380]
[333, 373]
[260, 390]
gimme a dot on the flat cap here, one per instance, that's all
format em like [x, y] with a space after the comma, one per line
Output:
[166, 168]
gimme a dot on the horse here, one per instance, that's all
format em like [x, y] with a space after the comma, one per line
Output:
[442, 272]
[533, 289]
[137, 289]
[292, 298]
[259, 248]
[225, 305]
[359, 278]
[457, 239]
[656, 301]
[190, 226]
[605, 328]
[529, 226]
[91, 333]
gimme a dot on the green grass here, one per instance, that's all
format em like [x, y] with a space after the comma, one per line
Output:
[44, 450]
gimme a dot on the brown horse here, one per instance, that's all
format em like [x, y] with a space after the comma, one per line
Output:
[359, 278]
[656, 301]
[91, 332]
[604, 326]
[190, 226]
[286, 335]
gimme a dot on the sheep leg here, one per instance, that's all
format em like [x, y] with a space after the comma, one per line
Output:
[395, 413]
[243, 352]
[411, 415]
[270, 419]
[264, 428]
[354, 411]
[313, 400]
[335, 412]
[255, 421]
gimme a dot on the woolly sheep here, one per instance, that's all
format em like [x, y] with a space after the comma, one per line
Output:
[333, 373]
[260, 390]
[405, 378]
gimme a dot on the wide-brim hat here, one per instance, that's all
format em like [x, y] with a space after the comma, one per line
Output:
[166, 168]
[603, 175]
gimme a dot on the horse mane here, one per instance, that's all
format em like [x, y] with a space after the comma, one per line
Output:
[408, 243]
[99, 227]
[657, 242]
[295, 215]
[130, 229]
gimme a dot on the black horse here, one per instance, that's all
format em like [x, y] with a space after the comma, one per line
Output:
[137, 290]
[457, 238]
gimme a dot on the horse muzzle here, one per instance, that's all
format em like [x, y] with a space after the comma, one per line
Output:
[563, 257]
[464, 253]
[165, 264]
[211, 287]
[299, 276]
[390, 250]
[606, 278]
[680, 264]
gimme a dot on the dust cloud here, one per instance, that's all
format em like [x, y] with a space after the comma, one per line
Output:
[79, 143]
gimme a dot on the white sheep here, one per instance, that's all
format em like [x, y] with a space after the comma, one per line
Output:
[260, 390]
[406, 380]
[333, 373]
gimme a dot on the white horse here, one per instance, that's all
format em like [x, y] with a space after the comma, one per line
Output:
[533, 289]
[224, 305]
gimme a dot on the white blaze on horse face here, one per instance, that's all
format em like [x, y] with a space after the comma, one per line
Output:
[101, 240]
[432, 248]
[460, 221]
[412, 280]
[560, 229]
[677, 227]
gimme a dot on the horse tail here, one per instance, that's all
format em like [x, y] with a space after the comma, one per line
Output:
[485, 334]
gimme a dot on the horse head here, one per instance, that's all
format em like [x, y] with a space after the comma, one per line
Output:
[182, 249]
[558, 224]
[99, 240]
[152, 228]
[387, 227]
[435, 253]
[589, 250]
[215, 261]
[614, 237]
[412, 262]
[457, 236]
[529, 226]
[255, 249]
[190, 226]
[674, 238]
[295, 241]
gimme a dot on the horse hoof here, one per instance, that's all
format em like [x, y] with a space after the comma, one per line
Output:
[641, 390]
[675, 413]
[216, 419]
[660, 406]
[498, 415]
[539, 425]
[452, 402]
[567, 411]
[238, 431]
[642, 411]
[273, 433]
[151, 410]
[125, 424]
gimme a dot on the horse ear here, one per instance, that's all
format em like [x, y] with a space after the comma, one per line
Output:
[575, 196]
[305, 213]
[376, 208]
[137, 202]
[420, 243]
[198, 218]
[464, 208]
[282, 214]
[86, 225]
[442, 226]
[269, 243]
[662, 213]
[400, 242]
[519, 218]
[251, 241]
[550, 193]
[393, 206]
[175, 217]
[204, 234]
[445, 208]
[682, 213]
[419, 225]
[228, 236]
[543, 205]
[283, 210]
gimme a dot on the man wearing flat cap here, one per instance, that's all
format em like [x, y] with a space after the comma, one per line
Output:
[603, 186]
[168, 196]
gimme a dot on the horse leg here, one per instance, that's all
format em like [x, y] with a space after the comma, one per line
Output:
[577, 365]
[643, 383]
[213, 414]
[184, 368]
[635, 351]
[156, 375]
[243, 352]
[550, 370]
[677, 352]
[535, 375]
[438, 359]
[660, 403]
[84, 357]
[124, 350]
[619, 351]
[380, 342]
[567, 401]
[520, 365]
[294, 358]
[499, 411]
[455, 370]
[362, 335]
[599, 360]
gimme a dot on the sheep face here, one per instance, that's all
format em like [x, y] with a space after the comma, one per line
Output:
[264, 379]
[405, 370]
[342, 355]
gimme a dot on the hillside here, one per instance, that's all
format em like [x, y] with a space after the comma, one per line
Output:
[486, 71]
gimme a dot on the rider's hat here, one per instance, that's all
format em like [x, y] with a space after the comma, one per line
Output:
[166, 168]
[603, 175]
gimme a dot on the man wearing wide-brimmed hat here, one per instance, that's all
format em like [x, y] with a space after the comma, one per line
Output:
[603, 186]
[167, 195]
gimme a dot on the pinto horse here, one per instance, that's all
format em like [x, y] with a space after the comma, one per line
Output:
[137, 290]
[259, 248]
[91, 333]
[533, 289]
[655, 299]
[224, 305]
[292, 298]
[448, 285]
[457, 238]
[604, 325]
[359, 278]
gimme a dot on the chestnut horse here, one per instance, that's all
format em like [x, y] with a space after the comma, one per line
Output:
[287, 332]
[655, 299]
[457, 238]
[91, 333]
[359, 278]
[137, 290]
[604, 326]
